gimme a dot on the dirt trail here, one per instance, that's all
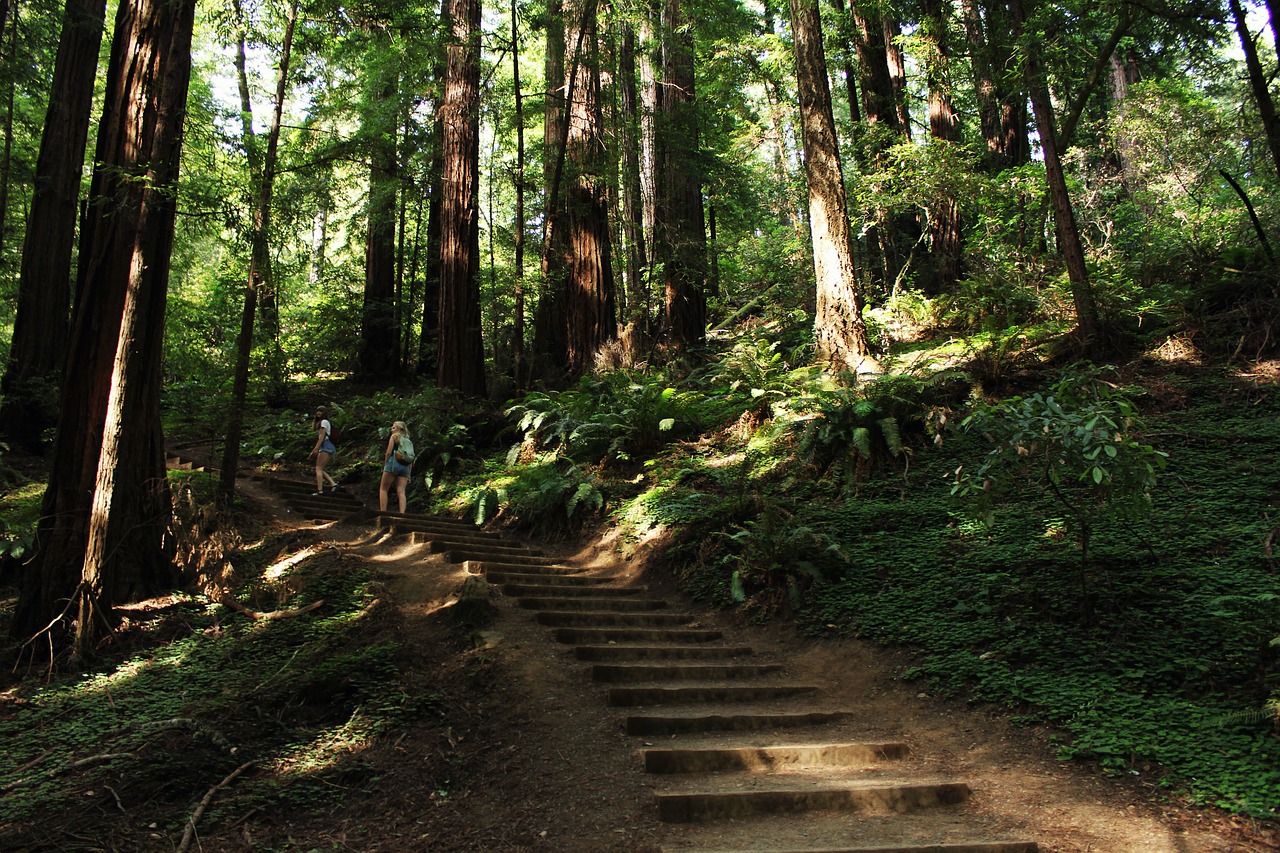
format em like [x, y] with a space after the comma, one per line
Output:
[525, 754]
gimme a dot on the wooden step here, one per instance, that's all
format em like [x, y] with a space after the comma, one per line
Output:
[900, 798]
[606, 619]
[634, 697]
[638, 673]
[946, 847]
[599, 636]
[641, 653]
[747, 721]
[595, 603]
[768, 758]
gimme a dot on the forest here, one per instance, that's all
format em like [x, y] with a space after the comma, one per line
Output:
[950, 326]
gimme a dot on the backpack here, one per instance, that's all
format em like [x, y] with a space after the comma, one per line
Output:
[334, 432]
[404, 451]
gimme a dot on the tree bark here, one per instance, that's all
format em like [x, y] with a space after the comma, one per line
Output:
[681, 228]
[260, 272]
[518, 369]
[1087, 322]
[1258, 82]
[944, 127]
[841, 333]
[104, 532]
[42, 324]
[461, 343]
[380, 327]
[590, 307]
[632, 194]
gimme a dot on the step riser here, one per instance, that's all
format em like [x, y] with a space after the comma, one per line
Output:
[441, 544]
[610, 620]
[592, 605]
[583, 583]
[662, 725]
[613, 654]
[560, 590]
[641, 674]
[956, 847]
[845, 756]
[597, 636]
[481, 555]
[904, 799]
[635, 697]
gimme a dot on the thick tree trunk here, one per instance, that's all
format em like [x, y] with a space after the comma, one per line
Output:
[681, 231]
[380, 327]
[42, 323]
[1068, 232]
[104, 532]
[841, 334]
[429, 339]
[632, 194]
[590, 300]
[944, 126]
[518, 368]
[461, 343]
[1002, 111]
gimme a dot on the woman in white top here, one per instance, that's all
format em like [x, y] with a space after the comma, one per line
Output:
[394, 472]
[323, 451]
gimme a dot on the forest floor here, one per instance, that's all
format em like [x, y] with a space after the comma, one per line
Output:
[524, 754]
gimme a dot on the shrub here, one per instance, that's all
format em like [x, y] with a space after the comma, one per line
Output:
[1079, 442]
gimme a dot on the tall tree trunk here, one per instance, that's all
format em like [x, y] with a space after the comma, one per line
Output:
[944, 127]
[104, 531]
[841, 333]
[6, 150]
[42, 323]
[632, 196]
[550, 344]
[1068, 232]
[461, 343]
[681, 231]
[897, 69]
[429, 338]
[260, 273]
[1258, 82]
[1002, 111]
[518, 368]
[847, 56]
[590, 299]
[379, 329]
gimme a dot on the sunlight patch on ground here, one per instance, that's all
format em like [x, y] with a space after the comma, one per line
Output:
[725, 461]
[1264, 372]
[277, 570]
[1176, 350]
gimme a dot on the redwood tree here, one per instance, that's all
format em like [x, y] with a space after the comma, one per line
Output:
[42, 323]
[681, 226]
[841, 333]
[461, 346]
[103, 536]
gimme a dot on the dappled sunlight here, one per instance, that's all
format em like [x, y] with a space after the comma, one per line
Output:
[1261, 373]
[725, 460]
[330, 747]
[1176, 350]
[277, 570]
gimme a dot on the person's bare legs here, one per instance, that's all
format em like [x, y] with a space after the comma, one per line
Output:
[402, 483]
[383, 487]
[322, 459]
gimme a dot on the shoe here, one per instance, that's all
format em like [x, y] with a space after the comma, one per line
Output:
[314, 494]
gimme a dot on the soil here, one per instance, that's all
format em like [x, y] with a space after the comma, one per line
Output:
[524, 754]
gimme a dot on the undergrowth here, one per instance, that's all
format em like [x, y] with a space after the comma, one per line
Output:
[205, 690]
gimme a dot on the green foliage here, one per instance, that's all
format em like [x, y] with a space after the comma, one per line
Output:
[772, 560]
[616, 418]
[551, 495]
[857, 428]
[211, 689]
[1079, 441]
[757, 374]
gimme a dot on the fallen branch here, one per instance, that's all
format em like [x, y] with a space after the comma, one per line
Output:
[190, 833]
[228, 601]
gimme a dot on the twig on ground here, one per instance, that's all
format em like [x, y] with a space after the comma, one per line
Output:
[190, 833]
[228, 601]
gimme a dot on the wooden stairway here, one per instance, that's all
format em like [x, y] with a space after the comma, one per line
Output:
[743, 741]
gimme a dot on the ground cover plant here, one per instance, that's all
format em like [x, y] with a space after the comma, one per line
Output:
[195, 691]
[1162, 664]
